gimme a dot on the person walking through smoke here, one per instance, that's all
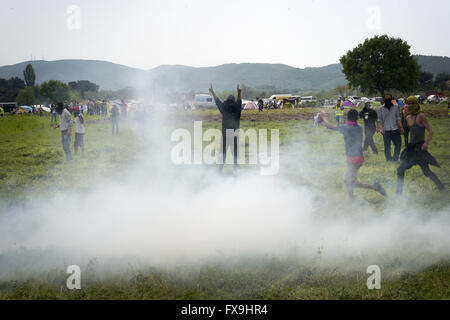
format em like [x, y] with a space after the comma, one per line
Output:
[66, 129]
[231, 117]
[353, 137]
[370, 118]
[115, 119]
[416, 152]
[390, 126]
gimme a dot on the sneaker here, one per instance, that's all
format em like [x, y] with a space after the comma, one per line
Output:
[377, 187]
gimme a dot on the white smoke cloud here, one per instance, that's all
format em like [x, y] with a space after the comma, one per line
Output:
[162, 214]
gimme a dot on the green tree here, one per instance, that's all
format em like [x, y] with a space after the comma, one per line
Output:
[29, 75]
[25, 97]
[380, 64]
[55, 91]
[83, 86]
[10, 88]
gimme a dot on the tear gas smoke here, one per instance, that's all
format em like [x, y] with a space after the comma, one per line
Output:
[163, 214]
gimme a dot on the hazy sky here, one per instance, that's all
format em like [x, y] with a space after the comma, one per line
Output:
[145, 34]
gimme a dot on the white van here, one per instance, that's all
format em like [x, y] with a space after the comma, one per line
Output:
[308, 99]
[204, 101]
[281, 96]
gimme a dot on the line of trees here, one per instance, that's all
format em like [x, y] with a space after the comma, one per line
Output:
[27, 92]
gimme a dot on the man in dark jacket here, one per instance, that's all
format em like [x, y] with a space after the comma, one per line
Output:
[231, 121]
[370, 118]
[260, 104]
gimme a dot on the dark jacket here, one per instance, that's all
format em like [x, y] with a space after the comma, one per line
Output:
[370, 118]
[231, 113]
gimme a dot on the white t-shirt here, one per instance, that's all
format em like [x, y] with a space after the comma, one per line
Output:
[79, 127]
[65, 120]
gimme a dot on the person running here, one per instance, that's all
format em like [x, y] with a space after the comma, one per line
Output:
[65, 127]
[390, 126]
[404, 112]
[115, 119]
[353, 137]
[79, 134]
[370, 118]
[416, 152]
[231, 116]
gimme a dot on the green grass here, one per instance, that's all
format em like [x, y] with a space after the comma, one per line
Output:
[32, 164]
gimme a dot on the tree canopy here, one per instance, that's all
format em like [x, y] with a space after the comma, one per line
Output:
[10, 88]
[25, 97]
[55, 91]
[380, 64]
[29, 75]
[83, 86]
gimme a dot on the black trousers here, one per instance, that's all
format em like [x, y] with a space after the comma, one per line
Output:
[406, 135]
[395, 137]
[368, 141]
[226, 142]
[404, 165]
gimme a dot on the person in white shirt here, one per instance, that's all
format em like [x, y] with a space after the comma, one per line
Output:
[79, 134]
[66, 130]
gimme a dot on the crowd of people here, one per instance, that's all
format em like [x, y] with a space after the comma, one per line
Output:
[392, 121]
[73, 113]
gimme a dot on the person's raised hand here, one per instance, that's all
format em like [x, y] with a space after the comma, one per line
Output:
[211, 89]
[238, 89]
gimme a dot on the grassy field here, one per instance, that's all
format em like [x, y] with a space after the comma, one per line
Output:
[32, 165]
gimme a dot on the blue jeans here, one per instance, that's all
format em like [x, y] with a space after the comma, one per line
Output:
[54, 116]
[65, 140]
[339, 119]
[115, 126]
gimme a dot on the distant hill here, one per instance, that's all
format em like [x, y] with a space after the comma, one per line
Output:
[434, 64]
[183, 78]
[106, 74]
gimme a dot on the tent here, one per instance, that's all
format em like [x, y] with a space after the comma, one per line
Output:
[347, 104]
[250, 106]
